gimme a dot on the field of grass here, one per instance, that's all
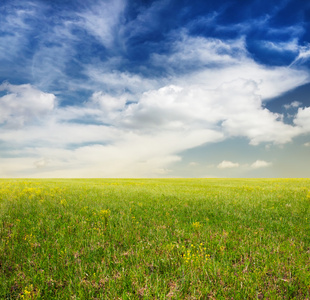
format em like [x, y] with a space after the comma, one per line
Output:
[155, 239]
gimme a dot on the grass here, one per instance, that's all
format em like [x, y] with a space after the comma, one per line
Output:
[155, 239]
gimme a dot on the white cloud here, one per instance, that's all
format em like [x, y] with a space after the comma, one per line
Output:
[209, 63]
[291, 46]
[226, 164]
[234, 108]
[202, 52]
[49, 64]
[102, 20]
[108, 105]
[256, 165]
[307, 144]
[14, 22]
[271, 82]
[127, 156]
[145, 21]
[293, 104]
[23, 105]
[120, 81]
[303, 119]
[303, 56]
[260, 164]
[142, 132]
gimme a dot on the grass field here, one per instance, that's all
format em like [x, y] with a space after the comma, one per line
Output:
[155, 239]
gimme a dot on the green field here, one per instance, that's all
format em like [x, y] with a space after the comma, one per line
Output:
[155, 239]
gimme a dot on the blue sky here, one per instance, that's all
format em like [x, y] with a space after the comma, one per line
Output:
[117, 88]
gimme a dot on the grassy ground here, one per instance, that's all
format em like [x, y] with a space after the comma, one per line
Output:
[155, 239]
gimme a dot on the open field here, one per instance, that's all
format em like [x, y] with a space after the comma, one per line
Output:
[155, 239]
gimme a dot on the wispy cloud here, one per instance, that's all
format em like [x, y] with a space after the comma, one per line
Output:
[148, 20]
[303, 55]
[293, 104]
[117, 82]
[103, 20]
[291, 46]
[15, 28]
[198, 53]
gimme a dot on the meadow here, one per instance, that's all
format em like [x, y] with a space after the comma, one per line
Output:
[155, 239]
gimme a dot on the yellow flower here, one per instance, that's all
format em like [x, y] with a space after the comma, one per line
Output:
[105, 212]
[196, 225]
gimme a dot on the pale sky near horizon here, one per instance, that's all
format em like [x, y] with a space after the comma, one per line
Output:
[166, 88]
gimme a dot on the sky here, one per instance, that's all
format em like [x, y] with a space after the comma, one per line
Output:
[166, 88]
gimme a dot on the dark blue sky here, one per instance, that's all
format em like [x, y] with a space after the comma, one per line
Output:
[117, 76]
[148, 27]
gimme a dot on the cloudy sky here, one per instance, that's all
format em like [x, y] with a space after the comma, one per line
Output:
[166, 88]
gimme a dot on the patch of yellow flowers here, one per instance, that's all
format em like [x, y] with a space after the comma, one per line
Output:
[195, 254]
[28, 293]
[105, 215]
[196, 225]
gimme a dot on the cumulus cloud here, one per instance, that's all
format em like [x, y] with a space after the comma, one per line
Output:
[303, 119]
[256, 165]
[23, 105]
[107, 106]
[260, 164]
[234, 108]
[226, 164]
